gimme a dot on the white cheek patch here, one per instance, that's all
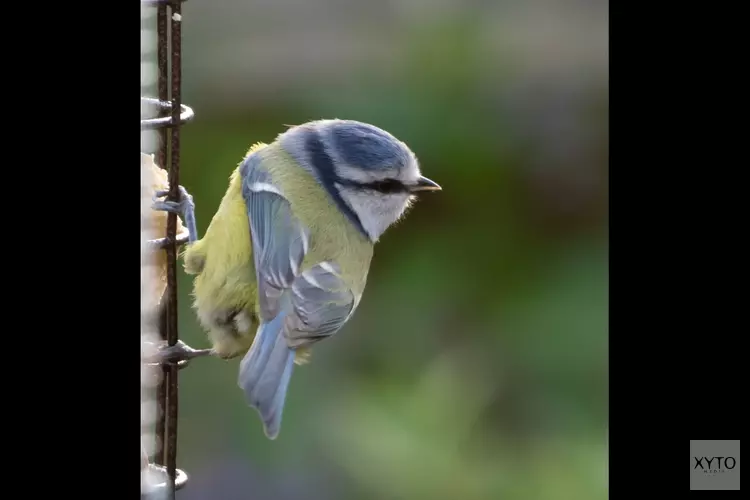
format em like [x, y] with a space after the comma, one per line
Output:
[375, 211]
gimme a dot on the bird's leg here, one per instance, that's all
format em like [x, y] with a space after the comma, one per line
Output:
[179, 352]
[185, 208]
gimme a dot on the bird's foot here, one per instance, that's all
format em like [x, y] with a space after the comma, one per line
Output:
[185, 208]
[179, 352]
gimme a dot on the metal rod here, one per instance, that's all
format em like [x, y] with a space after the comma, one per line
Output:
[171, 115]
[163, 65]
[161, 157]
[186, 115]
[174, 182]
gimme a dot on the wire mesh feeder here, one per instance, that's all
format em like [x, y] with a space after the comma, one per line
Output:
[162, 478]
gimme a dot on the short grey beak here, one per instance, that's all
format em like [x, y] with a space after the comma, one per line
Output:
[425, 184]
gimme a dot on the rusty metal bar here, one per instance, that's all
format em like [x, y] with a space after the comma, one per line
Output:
[171, 114]
[163, 65]
[174, 182]
[161, 157]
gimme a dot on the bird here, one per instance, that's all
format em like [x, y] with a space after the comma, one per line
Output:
[284, 261]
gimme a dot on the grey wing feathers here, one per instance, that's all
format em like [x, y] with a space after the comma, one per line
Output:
[322, 303]
[280, 242]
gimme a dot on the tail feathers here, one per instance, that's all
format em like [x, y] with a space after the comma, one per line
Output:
[265, 373]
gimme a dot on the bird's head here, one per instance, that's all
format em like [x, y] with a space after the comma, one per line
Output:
[372, 173]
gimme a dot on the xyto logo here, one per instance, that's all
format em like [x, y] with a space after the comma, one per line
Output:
[714, 465]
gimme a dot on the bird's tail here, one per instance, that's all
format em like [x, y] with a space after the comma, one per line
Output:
[265, 372]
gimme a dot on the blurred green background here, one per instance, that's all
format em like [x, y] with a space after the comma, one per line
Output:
[476, 364]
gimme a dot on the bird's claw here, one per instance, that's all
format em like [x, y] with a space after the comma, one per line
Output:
[178, 207]
[185, 208]
[179, 352]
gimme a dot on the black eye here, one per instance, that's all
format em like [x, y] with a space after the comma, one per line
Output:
[388, 186]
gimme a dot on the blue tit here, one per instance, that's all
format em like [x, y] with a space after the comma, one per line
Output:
[284, 261]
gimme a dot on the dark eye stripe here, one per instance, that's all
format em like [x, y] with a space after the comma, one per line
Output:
[388, 186]
[323, 164]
